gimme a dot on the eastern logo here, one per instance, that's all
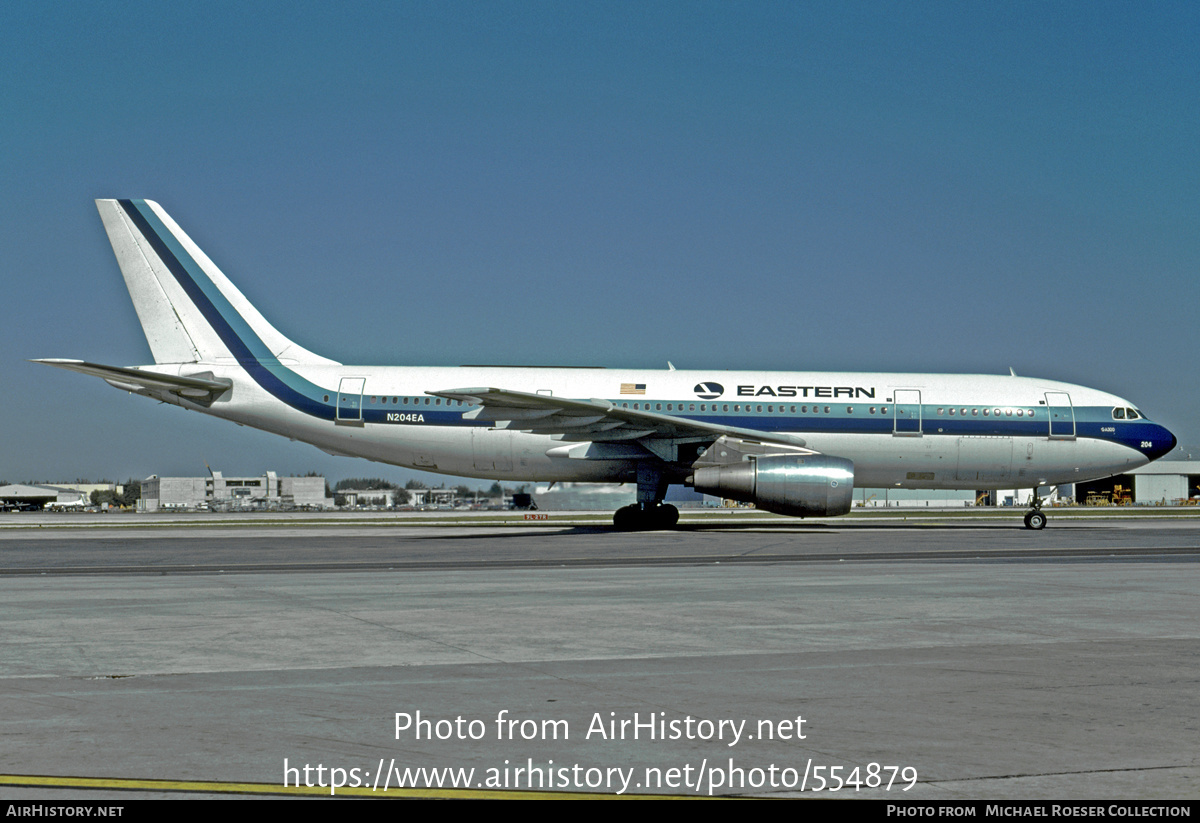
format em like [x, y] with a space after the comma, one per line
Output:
[709, 391]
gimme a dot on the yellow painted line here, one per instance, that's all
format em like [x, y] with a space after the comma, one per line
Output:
[220, 787]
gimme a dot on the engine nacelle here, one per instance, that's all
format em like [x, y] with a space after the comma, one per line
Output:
[814, 485]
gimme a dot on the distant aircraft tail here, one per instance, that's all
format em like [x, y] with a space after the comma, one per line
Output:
[189, 310]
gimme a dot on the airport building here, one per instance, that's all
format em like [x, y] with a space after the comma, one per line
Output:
[219, 493]
[384, 498]
[1162, 483]
[431, 497]
[20, 497]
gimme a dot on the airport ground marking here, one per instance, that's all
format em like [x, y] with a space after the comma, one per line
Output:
[224, 787]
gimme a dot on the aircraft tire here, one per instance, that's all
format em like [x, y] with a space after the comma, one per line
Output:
[628, 519]
[635, 518]
[1035, 520]
[665, 516]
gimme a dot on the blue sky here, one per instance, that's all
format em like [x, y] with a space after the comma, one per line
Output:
[954, 187]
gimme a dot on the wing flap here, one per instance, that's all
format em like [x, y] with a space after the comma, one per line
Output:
[597, 420]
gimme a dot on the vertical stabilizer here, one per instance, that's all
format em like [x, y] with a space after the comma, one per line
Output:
[188, 308]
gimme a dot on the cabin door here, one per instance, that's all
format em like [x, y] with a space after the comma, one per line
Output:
[907, 412]
[1062, 415]
[349, 401]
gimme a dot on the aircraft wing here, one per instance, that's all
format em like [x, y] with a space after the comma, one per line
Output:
[198, 389]
[599, 421]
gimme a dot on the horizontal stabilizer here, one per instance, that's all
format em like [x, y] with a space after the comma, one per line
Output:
[197, 389]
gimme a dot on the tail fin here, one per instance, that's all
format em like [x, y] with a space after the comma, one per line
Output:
[189, 310]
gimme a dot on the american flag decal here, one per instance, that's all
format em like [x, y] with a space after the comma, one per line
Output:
[633, 388]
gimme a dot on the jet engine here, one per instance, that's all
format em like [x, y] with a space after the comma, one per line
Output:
[810, 485]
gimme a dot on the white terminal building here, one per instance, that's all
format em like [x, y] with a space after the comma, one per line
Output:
[267, 492]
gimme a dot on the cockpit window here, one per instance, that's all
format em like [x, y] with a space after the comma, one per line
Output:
[1118, 414]
[1130, 414]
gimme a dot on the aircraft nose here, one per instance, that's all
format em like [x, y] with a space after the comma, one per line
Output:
[1161, 443]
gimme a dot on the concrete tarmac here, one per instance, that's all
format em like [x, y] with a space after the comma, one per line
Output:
[966, 660]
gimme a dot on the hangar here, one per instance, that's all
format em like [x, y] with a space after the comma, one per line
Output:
[18, 497]
[1163, 483]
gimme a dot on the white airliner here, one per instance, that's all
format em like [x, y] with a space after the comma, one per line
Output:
[790, 442]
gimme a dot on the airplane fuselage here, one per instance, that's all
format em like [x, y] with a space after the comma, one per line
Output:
[927, 431]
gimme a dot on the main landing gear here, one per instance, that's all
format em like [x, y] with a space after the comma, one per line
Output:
[650, 512]
[1034, 519]
[638, 518]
